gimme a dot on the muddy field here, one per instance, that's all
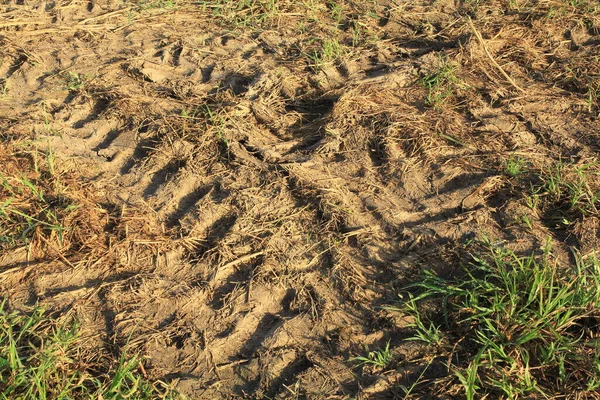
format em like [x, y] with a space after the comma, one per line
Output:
[241, 188]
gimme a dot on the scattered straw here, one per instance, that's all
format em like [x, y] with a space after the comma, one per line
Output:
[481, 41]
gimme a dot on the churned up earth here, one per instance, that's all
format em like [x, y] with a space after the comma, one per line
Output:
[314, 199]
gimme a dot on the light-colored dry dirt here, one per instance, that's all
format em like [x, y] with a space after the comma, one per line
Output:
[266, 209]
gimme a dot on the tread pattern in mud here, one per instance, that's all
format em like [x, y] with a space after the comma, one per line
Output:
[295, 197]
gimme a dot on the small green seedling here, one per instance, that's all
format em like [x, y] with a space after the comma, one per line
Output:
[440, 84]
[515, 166]
[75, 81]
[378, 358]
[330, 51]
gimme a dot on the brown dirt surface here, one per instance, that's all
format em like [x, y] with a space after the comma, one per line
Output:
[254, 181]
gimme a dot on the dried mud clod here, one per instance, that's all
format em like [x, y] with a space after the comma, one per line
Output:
[238, 190]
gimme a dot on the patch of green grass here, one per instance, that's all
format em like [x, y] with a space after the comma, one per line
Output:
[515, 166]
[570, 190]
[330, 51]
[425, 331]
[337, 13]
[45, 216]
[74, 81]
[593, 96]
[244, 13]
[27, 208]
[526, 220]
[42, 206]
[585, 6]
[516, 327]
[217, 122]
[379, 358]
[156, 4]
[41, 358]
[440, 84]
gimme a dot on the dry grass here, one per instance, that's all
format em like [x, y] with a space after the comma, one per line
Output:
[237, 190]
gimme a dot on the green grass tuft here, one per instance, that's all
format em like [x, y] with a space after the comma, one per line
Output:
[379, 358]
[515, 166]
[568, 192]
[41, 358]
[440, 84]
[514, 326]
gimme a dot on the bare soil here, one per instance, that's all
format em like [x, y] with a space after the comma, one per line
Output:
[251, 208]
